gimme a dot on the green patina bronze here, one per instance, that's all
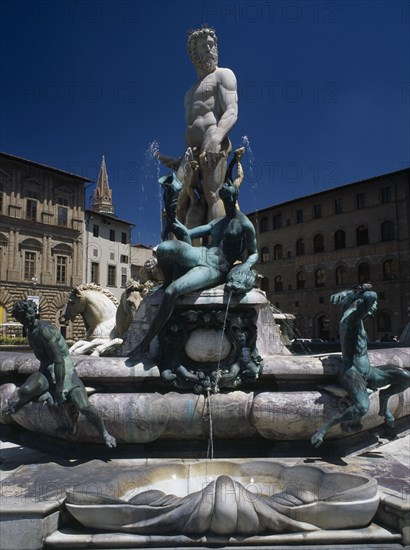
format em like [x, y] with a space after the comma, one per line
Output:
[357, 376]
[189, 268]
[56, 381]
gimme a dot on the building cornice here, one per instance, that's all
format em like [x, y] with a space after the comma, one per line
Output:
[14, 158]
[328, 191]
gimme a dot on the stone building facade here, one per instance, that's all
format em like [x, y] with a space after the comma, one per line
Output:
[317, 245]
[41, 235]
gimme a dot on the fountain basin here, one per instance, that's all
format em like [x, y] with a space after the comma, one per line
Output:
[148, 417]
[226, 498]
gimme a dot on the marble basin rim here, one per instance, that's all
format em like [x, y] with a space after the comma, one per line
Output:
[329, 499]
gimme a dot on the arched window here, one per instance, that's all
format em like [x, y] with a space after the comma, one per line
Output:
[318, 244]
[31, 250]
[278, 283]
[300, 247]
[263, 225]
[383, 322]
[363, 273]
[387, 229]
[362, 235]
[340, 275]
[277, 252]
[264, 254]
[340, 239]
[320, 277]
[300, 280]
[390, 270]
[265, 284]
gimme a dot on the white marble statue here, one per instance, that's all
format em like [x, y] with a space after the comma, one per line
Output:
[98, 307]
[211, 110]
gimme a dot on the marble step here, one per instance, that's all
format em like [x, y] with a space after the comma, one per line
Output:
[373, 536]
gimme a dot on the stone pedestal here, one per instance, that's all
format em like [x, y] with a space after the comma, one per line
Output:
[268, 337]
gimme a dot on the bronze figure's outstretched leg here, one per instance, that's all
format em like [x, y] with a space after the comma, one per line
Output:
[35, 386]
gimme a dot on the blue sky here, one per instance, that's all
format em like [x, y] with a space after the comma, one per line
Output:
[324, 91]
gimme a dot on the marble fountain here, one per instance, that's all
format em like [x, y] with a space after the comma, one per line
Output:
[198, 465]
[212, 416]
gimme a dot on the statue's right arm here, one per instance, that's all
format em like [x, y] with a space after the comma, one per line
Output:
[170, 162]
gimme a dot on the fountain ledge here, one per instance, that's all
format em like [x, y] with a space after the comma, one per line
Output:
[280, 367]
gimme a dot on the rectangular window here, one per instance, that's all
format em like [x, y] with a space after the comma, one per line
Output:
[31, 210]
[111, 275]
[62, 215]
[299, 216]
[123, 280]
[112, 234]
[123, 259]
[61, 269]
[317, 211]
[385, 194]
[124, 238]
[95, 273]
[96, 230]
[338, 206]
[360, 200]
[277, 221]
[29, 265]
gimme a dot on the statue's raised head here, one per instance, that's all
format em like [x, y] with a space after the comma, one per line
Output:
[370, 299]
[203, 48]
[23, 310]
[229, 191]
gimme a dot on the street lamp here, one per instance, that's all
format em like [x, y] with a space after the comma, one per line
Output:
[34, 282]
[35, 298]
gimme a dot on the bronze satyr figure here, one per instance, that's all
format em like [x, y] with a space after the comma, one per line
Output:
[357, 375]
[56, 380]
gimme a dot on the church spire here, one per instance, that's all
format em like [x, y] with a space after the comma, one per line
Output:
[102, 199]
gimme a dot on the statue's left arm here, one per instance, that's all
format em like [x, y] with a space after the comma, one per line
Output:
[228, 102]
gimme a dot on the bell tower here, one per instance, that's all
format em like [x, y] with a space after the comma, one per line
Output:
[102, 198]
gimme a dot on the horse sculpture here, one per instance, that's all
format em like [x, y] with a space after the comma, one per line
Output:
[98, 307]
[135, 291]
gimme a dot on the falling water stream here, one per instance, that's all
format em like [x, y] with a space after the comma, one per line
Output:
[252, 174]
[152, 171]
[210, 451]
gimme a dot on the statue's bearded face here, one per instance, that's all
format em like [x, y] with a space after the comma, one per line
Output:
[204, 54]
